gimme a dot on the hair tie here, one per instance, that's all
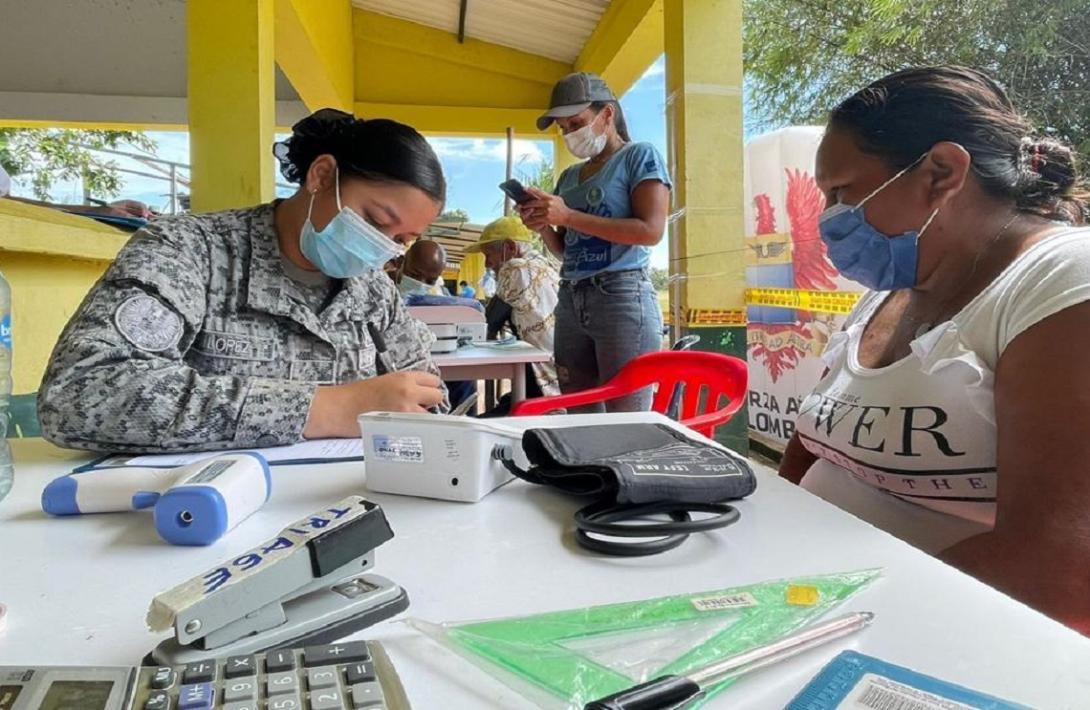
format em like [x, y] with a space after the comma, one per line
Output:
[1036, 162]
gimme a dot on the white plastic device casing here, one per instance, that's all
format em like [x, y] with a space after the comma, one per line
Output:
[450, 458]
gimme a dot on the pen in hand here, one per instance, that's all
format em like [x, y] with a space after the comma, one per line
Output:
[383, 366]
[382, 358]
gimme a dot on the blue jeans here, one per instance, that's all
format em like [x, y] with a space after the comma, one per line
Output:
[602, 322]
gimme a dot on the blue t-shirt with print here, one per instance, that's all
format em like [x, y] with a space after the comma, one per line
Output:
[608, 194]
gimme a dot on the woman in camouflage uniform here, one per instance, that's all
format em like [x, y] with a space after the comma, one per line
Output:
[257, 326]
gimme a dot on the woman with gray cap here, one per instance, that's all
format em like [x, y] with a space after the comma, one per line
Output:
[603, 218]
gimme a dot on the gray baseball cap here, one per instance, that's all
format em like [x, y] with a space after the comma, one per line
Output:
[574, 94]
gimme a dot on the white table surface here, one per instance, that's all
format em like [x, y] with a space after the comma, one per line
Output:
[523, 353]
[78, 588]
[485, 363]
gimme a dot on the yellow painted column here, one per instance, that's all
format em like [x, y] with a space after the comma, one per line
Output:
[704, 130]
[703, 40]
[232, 102]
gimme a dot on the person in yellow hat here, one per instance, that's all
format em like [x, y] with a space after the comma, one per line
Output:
[528, 283]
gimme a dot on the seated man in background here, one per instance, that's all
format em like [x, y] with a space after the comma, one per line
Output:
[421, 271]
[465, 290]
[528, 284]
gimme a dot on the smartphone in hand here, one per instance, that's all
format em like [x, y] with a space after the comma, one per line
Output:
[515, 190]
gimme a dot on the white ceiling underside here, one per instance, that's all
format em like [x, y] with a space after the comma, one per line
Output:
[125, 60]
[101, 60]
[556, 29]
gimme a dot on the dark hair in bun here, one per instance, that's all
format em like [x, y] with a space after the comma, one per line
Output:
[900, 116]
[375, 149]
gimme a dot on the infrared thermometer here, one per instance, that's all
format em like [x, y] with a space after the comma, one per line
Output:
[191, 505]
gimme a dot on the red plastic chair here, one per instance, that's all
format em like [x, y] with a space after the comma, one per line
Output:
[709, 378]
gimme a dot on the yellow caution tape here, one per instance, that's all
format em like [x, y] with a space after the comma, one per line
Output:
[718, 316]
[840, 302]
[703, 317]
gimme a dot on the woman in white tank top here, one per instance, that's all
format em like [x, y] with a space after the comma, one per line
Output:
[955, 406]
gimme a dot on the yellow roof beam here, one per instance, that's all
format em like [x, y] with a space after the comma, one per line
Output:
[92, 125]
[628, 38]
[119, 113]
[405, 63]
[473, 121]
[314, 49]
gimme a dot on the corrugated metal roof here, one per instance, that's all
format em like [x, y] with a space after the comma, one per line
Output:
[556, 29]
[455, 237]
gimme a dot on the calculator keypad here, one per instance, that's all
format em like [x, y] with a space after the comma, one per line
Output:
[199, 672]
[326, 699]
[280, 683]
[286, 702]
[338, 676]
[158, 701]
[280, 660]
[163, 678]
[322, 677]
[198, 696]
[240, 666]
[242, 705]
[346, 652]
[239, 689]
[366, 695]
[360, 673]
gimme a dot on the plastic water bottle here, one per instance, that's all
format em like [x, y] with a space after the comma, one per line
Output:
[7, 469]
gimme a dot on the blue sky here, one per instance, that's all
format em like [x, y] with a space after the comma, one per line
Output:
[474, 167]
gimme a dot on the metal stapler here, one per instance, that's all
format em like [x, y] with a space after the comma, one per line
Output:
[308, 585]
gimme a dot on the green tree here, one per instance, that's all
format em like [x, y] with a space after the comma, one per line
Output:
[455, 215]
[51, 154]
[660, 278]
[803, 56]
[540, 177]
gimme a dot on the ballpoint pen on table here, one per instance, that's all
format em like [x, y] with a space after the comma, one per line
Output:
[673, 691]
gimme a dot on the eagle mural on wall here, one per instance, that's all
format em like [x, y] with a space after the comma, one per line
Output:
[797, 259]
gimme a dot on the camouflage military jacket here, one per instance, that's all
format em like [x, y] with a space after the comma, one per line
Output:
[196, 339]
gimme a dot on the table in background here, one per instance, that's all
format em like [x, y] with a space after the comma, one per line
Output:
[505, 362]
[78, 588]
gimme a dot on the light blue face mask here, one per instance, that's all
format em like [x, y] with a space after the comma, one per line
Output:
[349, 245]
[408, 286]
[861, 253]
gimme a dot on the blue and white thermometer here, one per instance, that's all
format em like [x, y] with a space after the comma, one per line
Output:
[192, 505]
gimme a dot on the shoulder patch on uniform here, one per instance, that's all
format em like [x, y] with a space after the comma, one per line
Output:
[148, 324]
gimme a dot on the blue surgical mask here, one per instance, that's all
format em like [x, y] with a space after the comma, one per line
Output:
[861, 253]
[408, 286]
[349, 245]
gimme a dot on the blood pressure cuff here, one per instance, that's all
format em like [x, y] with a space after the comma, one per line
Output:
[635, 463]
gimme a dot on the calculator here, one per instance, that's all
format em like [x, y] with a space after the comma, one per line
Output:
[351, 675]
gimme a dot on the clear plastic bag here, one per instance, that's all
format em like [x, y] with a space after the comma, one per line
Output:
[565, 659]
